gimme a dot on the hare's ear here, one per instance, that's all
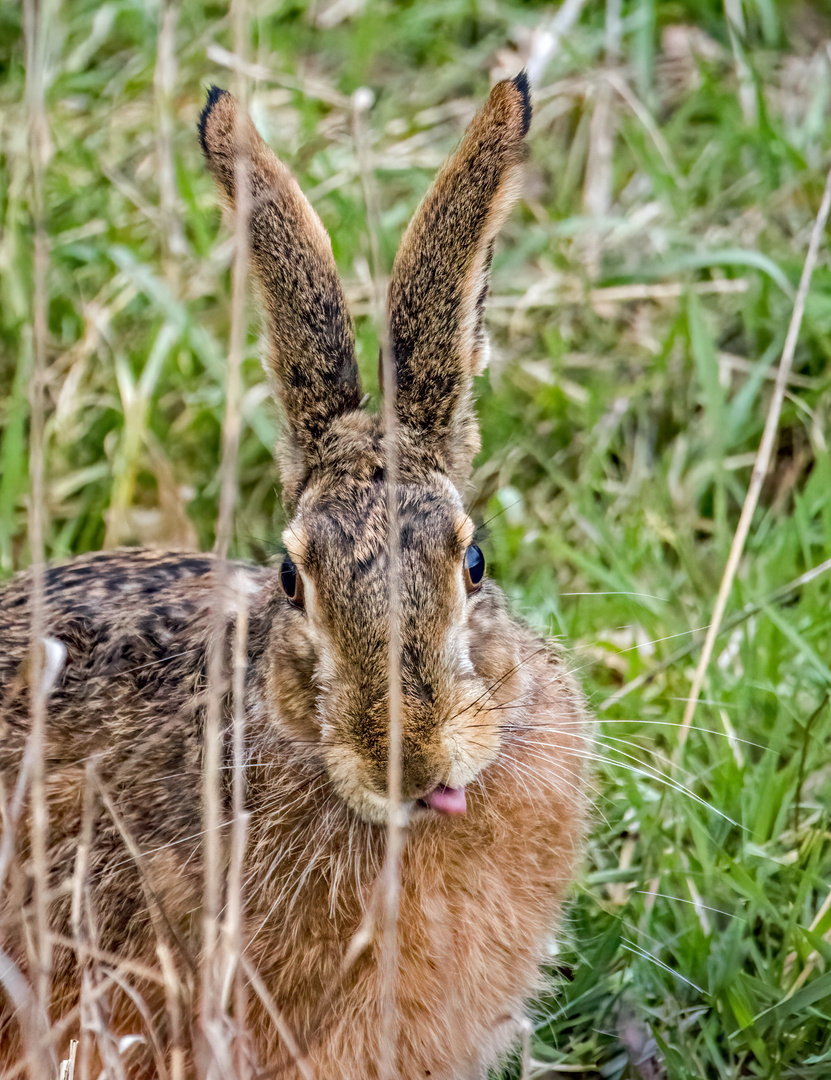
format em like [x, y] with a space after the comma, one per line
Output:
[312, 343]
[440, 279]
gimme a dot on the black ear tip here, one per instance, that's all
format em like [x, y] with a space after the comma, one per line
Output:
[524, 88]
[214, 94]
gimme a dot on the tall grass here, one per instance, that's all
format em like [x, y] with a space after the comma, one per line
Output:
[640, 305]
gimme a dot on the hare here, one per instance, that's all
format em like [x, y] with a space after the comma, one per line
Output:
[493, 726]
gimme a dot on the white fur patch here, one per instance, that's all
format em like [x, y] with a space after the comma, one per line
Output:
[54, 659]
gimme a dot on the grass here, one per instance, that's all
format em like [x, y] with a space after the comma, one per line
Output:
[640, 301]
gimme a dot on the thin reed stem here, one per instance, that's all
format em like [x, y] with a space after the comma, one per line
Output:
[760, 466]
[391, 870]
[223, 872]
[164, 86]
[36, 21]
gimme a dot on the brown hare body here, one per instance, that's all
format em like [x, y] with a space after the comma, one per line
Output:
[492, 722]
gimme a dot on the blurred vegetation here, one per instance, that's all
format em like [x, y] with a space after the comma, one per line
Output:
[640, 301]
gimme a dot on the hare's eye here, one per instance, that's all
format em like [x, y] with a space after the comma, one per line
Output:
[474, 568]
[292, 582]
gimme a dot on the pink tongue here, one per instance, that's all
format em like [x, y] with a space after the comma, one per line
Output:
[447, 800]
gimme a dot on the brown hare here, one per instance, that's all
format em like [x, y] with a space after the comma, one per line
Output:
[493, 731]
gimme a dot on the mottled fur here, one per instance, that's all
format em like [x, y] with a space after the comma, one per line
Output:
[486, 704]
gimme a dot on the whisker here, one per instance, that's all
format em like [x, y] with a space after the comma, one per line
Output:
[616, 592]
[151, 663]
[641, 769]
[654, 959]
[695, 903]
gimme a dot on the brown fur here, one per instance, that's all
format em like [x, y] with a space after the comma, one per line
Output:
[486, 704]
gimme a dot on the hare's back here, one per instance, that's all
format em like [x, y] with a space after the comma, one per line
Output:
[127, 635]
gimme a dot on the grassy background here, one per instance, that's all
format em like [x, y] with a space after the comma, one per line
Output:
[640, 301]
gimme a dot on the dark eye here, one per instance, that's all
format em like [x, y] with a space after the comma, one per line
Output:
[292, 582]
[474, 568]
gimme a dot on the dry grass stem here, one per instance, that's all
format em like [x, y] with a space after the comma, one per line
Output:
[597, 186]
[233, 981]
[526, 1032]
[164, 85]
[598, 180]
[762, 462]
[104, 956]
[552, 291]
[670, 290]
[277, 1018]
[68, 1064]
[221, 953]
[814, 956]
[158, 916]
[390, 872]
[312, 88]
[56, 1032]
[173, 1006]
[36, 17]
[83, 941]
[548, 36]
[234, 985]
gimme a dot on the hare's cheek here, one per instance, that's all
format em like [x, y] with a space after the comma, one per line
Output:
[473, 742]
[291, 694]
[494, 648]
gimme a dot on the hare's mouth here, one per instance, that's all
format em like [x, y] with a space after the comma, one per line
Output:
[443, 794]
[444, 800]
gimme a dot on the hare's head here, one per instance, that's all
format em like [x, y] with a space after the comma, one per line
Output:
[379, 536]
